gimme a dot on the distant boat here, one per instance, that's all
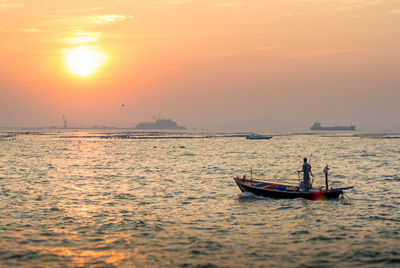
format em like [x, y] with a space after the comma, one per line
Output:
[254, 136]
[159, 124]
[317, 126]
[280, 191]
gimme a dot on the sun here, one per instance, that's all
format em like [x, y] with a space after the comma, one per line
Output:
[84, 60]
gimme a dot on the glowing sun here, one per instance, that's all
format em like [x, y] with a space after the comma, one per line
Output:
[83, 60]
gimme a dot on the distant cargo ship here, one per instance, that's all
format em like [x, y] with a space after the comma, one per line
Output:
[318, 126]
[159, 124]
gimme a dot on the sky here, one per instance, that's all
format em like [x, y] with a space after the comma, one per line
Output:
[207, 64]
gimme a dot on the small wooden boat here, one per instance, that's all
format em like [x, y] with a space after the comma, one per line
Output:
[280, 191]
[254, 136]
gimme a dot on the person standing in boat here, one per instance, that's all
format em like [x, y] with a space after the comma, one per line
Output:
[306, 175]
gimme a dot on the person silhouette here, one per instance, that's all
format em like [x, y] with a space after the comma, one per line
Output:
[306, 175]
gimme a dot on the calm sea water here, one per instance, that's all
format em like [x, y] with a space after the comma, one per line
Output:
[134, 199]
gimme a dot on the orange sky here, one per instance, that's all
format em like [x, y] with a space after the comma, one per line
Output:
[207, 64]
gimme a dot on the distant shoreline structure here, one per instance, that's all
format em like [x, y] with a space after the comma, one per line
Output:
[159, 124]
[317, 126]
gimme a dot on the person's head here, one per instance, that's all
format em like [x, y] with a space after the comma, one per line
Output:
[305, 159]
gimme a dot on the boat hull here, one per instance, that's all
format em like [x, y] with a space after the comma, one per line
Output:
[254, 136]
[284, 191]
[259, 138]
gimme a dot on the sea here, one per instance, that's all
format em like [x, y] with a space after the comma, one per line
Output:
[128, 198]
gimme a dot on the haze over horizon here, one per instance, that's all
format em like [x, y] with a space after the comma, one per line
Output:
[219, 64]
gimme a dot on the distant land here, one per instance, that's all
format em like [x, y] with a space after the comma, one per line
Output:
[159, 124]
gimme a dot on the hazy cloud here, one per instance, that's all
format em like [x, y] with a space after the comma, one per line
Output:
[243, 50]
[108, 18]
[338, 51]
[5, 5]
[177, 2]
[83, 38]
[331, 52]
[32, 30]
[357, 5]
[75, 21]
[230, 4]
